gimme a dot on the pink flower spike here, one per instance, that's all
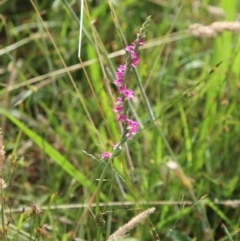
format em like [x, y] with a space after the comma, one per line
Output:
[105, 155]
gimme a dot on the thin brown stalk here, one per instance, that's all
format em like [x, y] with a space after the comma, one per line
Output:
[2, 183]
[2, 157]
[121, 232]
[2, 152]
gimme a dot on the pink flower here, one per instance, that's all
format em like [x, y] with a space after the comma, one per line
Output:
[119, 101]
[128, 94]
[133, 55]
[130, 48]
[132, 128]
[118, 81]
[134, 59]
[122, 68]
[140, 42]
[121, 89]
[105, 155]
[122, 118]
[118, 109]
[119, 76]
[118, 106]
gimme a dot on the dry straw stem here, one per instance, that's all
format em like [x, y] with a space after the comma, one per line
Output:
[2, 157]
[212, 30]
[121, 232]
[2, 152]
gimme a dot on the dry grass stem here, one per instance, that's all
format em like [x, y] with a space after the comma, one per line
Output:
[2, 157]
[212, 30]
[121, 232]
[2, 152]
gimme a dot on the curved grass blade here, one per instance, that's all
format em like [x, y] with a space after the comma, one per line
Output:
[54, 154]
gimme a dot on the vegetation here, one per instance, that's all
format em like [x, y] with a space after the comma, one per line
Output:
[57, 119]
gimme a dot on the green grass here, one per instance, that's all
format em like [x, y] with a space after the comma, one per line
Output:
[57, 118]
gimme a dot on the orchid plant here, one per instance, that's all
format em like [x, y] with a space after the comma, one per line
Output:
[130, 127]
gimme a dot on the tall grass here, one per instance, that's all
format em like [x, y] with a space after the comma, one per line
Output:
[57, 118]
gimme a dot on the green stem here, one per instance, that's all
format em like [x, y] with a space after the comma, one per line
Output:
[205, 224]
[226, 232]
[100, 185]
[99, 233]
[104, 172]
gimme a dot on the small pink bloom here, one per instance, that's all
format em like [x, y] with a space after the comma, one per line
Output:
[118, 81]
[119, 76]
[132, 127]
[118, 109]
[130, 47]
[134, 59]
[105, 155]
[122, 68]
[119, 101]
[121, 89]
[128, 94]
[131, 122]
[133, 55]
[118, 106]
[122, 118]
[140, 42]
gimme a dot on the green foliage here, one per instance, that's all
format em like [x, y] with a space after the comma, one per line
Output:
[56, 116]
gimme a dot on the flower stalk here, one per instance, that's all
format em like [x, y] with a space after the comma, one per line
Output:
[130, 127]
